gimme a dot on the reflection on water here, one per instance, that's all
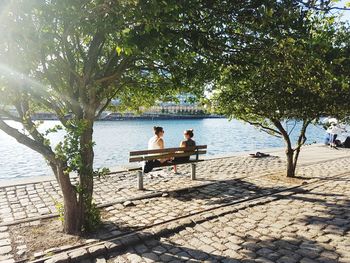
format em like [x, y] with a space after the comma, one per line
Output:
[115, 139]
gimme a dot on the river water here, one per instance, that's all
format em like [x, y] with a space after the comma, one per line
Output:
[115, 139]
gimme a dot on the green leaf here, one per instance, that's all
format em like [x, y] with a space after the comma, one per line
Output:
[119, 50]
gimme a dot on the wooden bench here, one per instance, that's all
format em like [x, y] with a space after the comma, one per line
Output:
[167, 153]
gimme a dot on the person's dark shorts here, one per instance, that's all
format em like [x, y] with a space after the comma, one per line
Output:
[181, 159]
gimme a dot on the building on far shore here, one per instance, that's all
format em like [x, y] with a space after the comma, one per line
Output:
[183, 107]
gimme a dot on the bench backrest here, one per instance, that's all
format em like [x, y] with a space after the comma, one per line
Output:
[146, 155]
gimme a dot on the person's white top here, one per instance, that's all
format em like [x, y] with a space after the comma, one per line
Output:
[330, 120]
[335, 129]
[153, 143]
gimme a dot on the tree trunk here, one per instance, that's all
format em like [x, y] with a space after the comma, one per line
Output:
[86, 174]
[292, 154]
[72, 223]
[289, 151]
[290, 162]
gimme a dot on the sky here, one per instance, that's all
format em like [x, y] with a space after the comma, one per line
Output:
[345, 14]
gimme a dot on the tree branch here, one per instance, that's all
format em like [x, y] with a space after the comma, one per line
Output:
[32, 144]
[117, 74]
[92, 56]
[23, 111]
[268, 129]
[108, 102]
[301, 141]
[283, 132]
[295, 123]
[10, 116]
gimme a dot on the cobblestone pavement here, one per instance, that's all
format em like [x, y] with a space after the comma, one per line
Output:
[38, 199]
[160, 209]
[232, 179]
[307, 227]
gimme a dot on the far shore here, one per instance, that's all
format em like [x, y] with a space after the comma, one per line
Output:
[126, 117]
[309, 154]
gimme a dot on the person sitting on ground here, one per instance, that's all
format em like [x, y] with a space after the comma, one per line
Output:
[188, 142]
[333, 130]
[155, 143]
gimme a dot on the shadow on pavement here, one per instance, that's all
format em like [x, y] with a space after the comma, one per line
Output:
[288, 249]
[225, 192]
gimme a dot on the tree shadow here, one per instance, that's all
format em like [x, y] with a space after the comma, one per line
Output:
[328, 178]
[238, 190]
[335, 220]
[227, 191]
[332, 218]
[250, 249]
[155, 250]
[110, 229]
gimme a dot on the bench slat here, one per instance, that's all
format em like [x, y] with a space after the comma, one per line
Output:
[166, 150]
[165, 156]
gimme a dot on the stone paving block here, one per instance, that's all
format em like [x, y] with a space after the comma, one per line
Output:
[77, 255]
[113, 245]
[5, 250]
[183, 255]
[307, 260]
[59, 258]
[5, 257]
[3, 228]
[287, 259]
[227, 260]
[263, 260]
[97, 250]
[4, 235]
[5, 242]
[305, 252]
[150, 256]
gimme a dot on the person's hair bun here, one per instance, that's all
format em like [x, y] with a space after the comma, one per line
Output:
[157, 129]
[189, 132]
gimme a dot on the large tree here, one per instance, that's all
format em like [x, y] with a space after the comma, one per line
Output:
[290, 73]
[267, 61]
[72, 58]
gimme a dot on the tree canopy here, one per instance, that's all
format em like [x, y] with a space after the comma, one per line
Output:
[72, 58]
[298, 74]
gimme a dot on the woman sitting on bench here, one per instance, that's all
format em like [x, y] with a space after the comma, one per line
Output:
[155, 143]
[188, 142]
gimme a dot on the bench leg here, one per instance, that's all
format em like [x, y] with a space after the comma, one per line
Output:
[193, 171]
[140, 180]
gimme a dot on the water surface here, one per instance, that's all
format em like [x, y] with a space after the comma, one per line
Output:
[115, 139]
